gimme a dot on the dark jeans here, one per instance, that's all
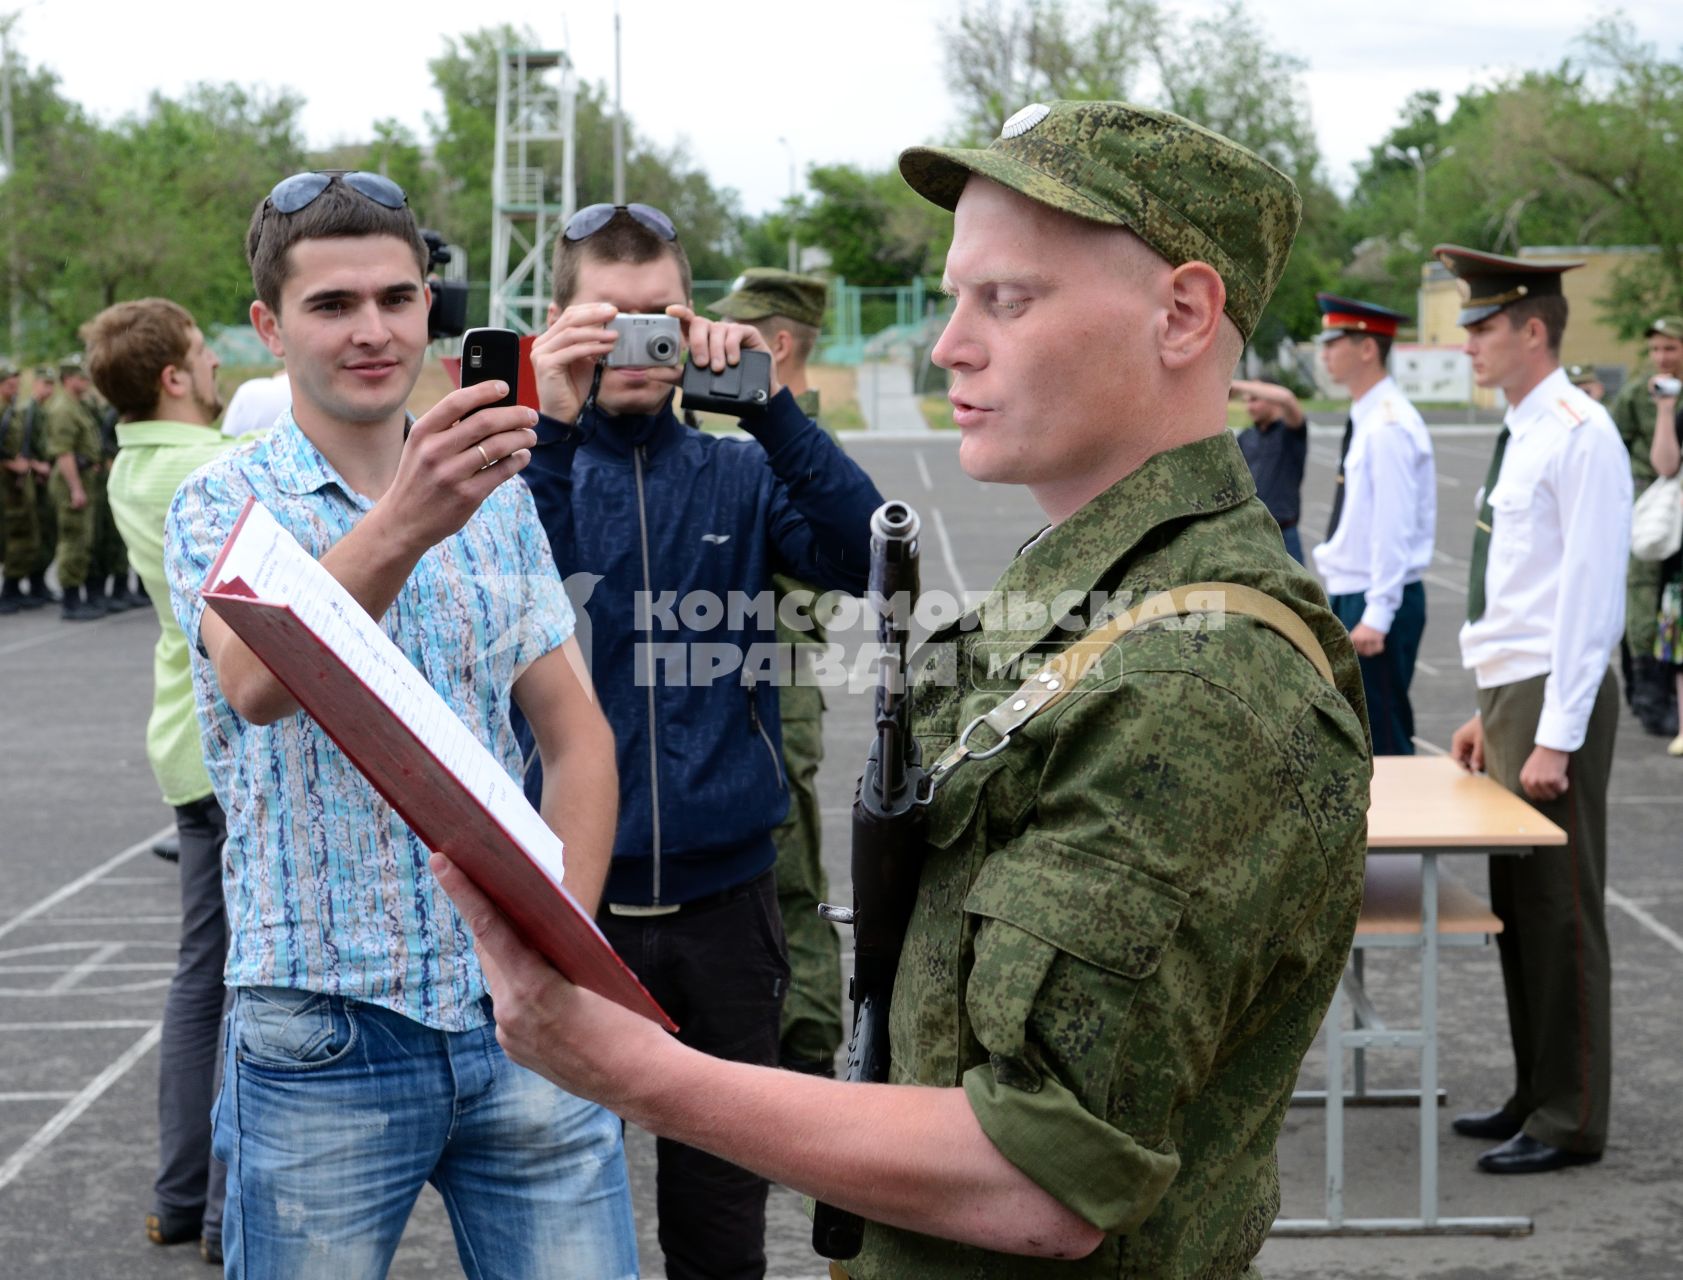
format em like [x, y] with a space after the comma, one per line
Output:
[1387, 675]
[1294, 543]
[190, 1180]
[720, 969]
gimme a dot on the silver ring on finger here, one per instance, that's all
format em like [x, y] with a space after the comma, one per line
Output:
[484, 455]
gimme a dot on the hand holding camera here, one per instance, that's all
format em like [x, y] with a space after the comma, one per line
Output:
[1664, 388]
[648, 350]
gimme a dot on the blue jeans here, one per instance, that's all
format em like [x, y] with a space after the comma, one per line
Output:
[333, 1113]
[1294, 543]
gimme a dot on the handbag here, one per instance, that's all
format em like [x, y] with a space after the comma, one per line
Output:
[1656, 522]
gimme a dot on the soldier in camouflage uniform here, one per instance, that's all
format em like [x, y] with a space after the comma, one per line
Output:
[17, 497]
[1133, 910]
[77, 486]
[30, 532]
[1648, 685]
[108, 560]
[788, 310]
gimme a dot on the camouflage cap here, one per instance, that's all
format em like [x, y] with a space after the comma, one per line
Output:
[1665, 327]
[1192, 195]
[72, 365]
[8, 370]
[1581, 375]
[765, 291]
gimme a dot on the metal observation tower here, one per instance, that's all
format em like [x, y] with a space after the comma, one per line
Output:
[535, 98]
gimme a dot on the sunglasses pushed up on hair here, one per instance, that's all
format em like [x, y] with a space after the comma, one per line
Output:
[593, 217]
[302, 190]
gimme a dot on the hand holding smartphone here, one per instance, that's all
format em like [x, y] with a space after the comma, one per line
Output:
[492, 355]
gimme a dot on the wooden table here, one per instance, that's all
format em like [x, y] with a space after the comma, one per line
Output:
[1422, 807]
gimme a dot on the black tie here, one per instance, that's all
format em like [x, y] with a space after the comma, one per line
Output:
[1481, 532]
[1338, 493]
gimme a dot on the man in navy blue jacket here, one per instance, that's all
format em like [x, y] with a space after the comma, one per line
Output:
[683, 531]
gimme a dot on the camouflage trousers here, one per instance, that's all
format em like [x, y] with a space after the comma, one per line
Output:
[812, 1010]
[1642, 604]
[19, 497]
[75, 527]
[108, 556]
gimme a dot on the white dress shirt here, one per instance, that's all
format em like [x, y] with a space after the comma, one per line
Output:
[1559, 543]
[1384, 537]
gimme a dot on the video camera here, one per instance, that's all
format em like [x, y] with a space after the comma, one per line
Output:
[447, 317]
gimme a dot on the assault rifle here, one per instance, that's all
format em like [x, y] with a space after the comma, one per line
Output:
[888, 810]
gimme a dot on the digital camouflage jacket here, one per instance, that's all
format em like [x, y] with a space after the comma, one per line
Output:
[1132, 918]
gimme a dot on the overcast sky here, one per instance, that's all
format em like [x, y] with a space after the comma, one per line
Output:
[853, 81]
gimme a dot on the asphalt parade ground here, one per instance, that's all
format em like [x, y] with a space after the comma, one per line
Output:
[88, 922]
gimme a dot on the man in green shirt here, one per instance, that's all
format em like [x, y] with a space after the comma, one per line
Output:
[788, 310]
[1134, 908]
[72, 442]
[1648, 686]
[150, 361]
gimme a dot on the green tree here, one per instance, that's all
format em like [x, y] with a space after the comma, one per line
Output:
[876, 230]
[156, 204]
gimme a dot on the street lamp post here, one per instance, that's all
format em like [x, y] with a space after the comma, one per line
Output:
[794, 250]
[1422, 158]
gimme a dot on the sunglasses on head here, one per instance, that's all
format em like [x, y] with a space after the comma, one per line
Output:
[302, 190]
[593, 217]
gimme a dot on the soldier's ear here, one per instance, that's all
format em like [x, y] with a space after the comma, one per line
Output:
[1197, 298]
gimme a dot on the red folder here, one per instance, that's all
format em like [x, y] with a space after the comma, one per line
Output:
[442, 810]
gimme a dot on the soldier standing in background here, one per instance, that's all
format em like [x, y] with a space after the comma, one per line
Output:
[33, 446]
[1384, 515]
[1648, 686]
[1588, 380]
[788, 310]
[18, 533]
[1544, 593]
[72, 441]
[108, 562]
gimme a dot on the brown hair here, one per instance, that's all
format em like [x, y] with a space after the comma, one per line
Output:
[803, 336]
[1550, 309]
[337, 213]
[623, 239]
[128, 348]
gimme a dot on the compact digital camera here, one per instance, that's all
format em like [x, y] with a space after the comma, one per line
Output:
[646, 340]
[1663, 386]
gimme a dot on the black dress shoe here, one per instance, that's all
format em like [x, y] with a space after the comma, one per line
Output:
[1524, 1154]
[1499, 1125]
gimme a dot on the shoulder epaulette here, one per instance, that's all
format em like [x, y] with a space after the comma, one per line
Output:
[1568, 413]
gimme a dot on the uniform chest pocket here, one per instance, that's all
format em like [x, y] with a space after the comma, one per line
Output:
[1064, 941]
[1511, 520]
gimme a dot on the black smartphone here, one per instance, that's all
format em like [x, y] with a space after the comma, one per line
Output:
[490, 355]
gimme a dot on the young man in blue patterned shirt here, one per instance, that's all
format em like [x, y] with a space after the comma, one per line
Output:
[362, 1055]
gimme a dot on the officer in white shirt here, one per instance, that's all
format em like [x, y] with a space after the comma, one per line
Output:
[1384, 515]
[1545, 610]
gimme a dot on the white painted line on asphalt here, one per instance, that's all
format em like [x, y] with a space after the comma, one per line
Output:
[108, 1024]
[1663, 932]
[923, 472]
[48, 1133]
[1427, 667]
[57, 633]
[93, 964]
[1448, 482]
[105, 921]
[83, 881]
[1430, 748]
[84, 969]
[60, 1096]
[1445, 583]
[947, 555]
[1645, 799]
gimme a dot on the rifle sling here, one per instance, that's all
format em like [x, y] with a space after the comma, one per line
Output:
[1064, 670]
